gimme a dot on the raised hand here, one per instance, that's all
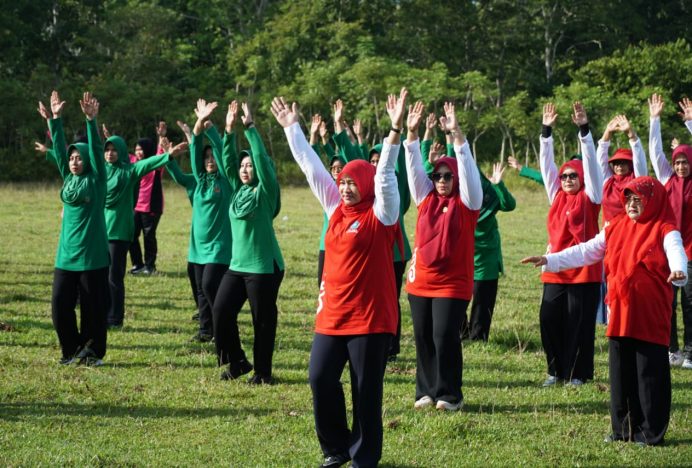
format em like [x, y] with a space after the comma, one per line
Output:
[415, 117]
[177, 149]
[436, 152]
[186, 129]
[40, 147]
[686, 106]
[315, 124]
[579, 116]
[56, 105]
[451, 123]
[514, 163]
[246, 118]
[537, 261]
[611, 127]
[625, 126]
[231, 115]
[496, 176]
[549, 114]
[286, 115]
[655, 105]
[204, 109]
[89, 105]
[338, 111]
[395, 108]
[43, 111]
[674, 143]
[431, 121]
[106, 132]
[165, 144]
[161, 129]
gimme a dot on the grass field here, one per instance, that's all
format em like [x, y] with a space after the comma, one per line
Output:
[158, 401]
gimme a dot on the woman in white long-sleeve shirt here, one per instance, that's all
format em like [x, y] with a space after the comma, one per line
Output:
[355, 321]
[440, 276]
[570, 298]
[643, 254]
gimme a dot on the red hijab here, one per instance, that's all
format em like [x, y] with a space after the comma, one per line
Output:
[567, 216]
[612, 190]
[637, 267]
[440, 219]
[680, 188]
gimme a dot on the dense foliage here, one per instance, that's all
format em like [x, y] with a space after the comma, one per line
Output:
[500, 60]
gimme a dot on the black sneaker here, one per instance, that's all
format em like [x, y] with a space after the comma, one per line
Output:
[236, 369]
[335, 460]
[66, 361]
[259, 379]
[195, 316]
[148, 270]
[87, 357]
[202, 338]
[137, 269]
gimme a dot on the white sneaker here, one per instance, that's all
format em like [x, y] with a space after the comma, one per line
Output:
[676, 358]
[687, 363]
[423, 402]
[447, 406]
[575, 383]
[550, 381]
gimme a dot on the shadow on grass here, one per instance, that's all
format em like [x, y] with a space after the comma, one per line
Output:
[512, 342]
[23, 298]
[17, 411]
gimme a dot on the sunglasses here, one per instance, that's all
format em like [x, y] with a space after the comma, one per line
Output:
[437, 176]
[570, 176]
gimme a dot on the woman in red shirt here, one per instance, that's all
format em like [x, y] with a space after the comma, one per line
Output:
[643, 253]
[355, 322]
[440, 276]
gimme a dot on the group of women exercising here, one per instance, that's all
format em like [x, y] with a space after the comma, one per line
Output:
[234, 255]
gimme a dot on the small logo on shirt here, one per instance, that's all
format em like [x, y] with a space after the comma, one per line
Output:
[354, 227]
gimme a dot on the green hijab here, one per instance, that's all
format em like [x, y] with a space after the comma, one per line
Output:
[78, 189]
[117, 174]
[247, 198]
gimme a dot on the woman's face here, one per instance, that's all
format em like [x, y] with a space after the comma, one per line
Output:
[110, 154]
[348, 191]
[336, 168]
[443, 179]
[569, 180]
[633, 206]
[139, 153]
[76, 164]
[210, 162]
[621, 167]
[681, 167]
[247, 170]
[374, 159]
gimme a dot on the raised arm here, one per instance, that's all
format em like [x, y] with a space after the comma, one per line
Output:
[203, 112]
[661, 166]
[319, 179]
[264, 169]
[547, 155]
[603, 147]
[90, 107]
[507, 201]
[686, 114]
[419, 184]
[638, 155]
[593, 179]
[346, 147]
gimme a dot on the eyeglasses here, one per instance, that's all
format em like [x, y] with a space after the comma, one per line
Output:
[570, 176]
[437, 176]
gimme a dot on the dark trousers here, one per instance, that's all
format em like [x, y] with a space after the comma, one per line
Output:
[320, 268]
[116, 281]
[207, 278]
[91, 288]
[367, 358]
[395, 346]
[482, 308]
[686, 303]
[439, 360]
[146, 224]
[568, 328]
[640, 391]
[193, 281]
[261, 290]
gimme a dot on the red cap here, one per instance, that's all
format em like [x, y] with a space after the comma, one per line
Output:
[622, 154]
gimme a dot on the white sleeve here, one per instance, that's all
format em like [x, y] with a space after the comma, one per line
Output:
[677, 259]
[548, 168]
[469, 178]
[386, 206]
[639, 158]
[602, 156]
[593, 183]
[688, 124]
[319, 179]
[418, 182]
[586, 253]
[658, 158]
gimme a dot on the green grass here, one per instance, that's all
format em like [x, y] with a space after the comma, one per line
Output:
[158, 400]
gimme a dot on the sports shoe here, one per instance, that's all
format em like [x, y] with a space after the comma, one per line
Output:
[423, 402]
[137, 269]
[148, 270]
[87, 357]
[236, 369]
[687, 363]
[66, 361]
[550, 381]
[333, 461]
[575, 383]
[202, 338]
[258, 379]
[447, 406]
[676, 358]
